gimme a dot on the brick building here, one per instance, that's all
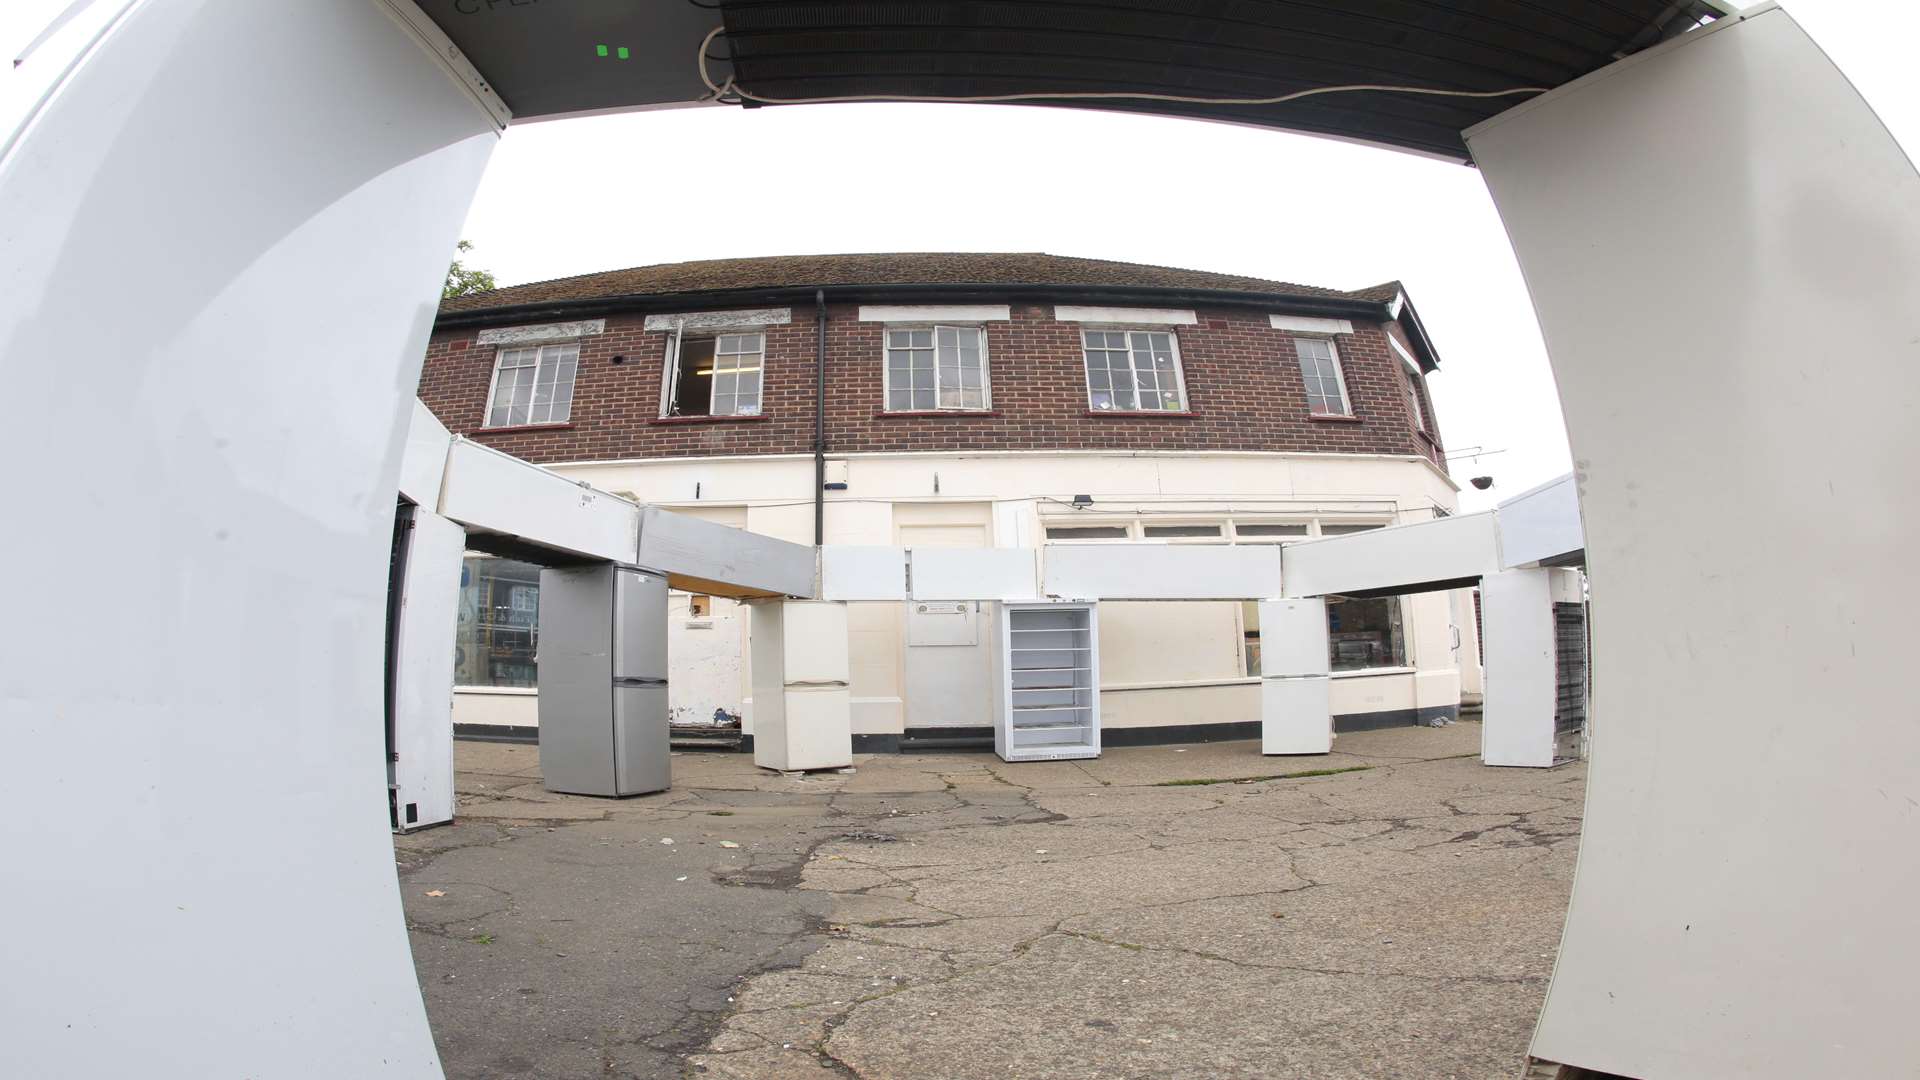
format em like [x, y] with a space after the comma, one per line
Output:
[970, 399]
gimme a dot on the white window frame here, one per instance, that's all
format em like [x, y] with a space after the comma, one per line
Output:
[1419, 410]
[1339, 373]
[1179, 367]
[539, 356]
[886, 367]
[670, 370]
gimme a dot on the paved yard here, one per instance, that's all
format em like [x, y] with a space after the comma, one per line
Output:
[953, 916]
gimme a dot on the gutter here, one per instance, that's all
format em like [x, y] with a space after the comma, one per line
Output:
[820, 418]
[1330, 306]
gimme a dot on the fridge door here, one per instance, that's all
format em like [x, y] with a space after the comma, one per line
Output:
[1293, 637]
[816, 734]
[815, 643]
[575, 675]
[639, 625]
[642, 755]
[1296, 715]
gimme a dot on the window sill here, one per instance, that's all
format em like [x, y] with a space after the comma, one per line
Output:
[755, 418]
[1338, 418]
[515, 428]
[1143, 414]
[888, 414]
[1369, 672]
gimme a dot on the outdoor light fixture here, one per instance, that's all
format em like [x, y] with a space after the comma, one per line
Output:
[1482, 482]
[1083, 500]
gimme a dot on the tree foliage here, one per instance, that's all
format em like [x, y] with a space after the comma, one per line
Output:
[461, 281]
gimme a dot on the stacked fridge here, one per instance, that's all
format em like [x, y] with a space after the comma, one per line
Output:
[801, 697]
[1048, 707]
[603, 681]
[1295, 712]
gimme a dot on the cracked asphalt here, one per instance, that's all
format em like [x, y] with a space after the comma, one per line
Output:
[955, 916]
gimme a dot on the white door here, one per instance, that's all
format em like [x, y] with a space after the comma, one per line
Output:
[704, 659]
[948, 677]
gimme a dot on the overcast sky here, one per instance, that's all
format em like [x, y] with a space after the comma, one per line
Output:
[577, 196]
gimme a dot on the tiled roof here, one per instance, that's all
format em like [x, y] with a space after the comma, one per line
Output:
[902, 268]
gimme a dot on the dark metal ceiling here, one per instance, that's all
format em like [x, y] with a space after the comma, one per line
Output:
[548, 58]
[1201, 48]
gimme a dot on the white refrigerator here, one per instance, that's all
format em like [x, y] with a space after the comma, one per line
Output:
[801, 699]
[1296, 715]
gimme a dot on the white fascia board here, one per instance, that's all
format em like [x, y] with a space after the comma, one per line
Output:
[423, 460]
[743, 319]
[917, 313]
[1543, 523]
[1306, 324]
[1406, 357]
[1444, 549]
[542, 332]
[974, 574]
[1161, 572]
[1125, 316]
[856, 572]
[487, 490]
[707, 557]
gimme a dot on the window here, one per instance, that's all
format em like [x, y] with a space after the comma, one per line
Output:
[1132, 371]
[1413, 395]
[1366, 633]
[716, 376]
[936, 367]
[1181, 532]
[1267, 531]
[533, 385]
[1346, 530]
[1087, 532]
[498, 623]
[1320, 369]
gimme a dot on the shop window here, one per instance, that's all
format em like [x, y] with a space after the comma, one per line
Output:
[1366, 632]
[533, 385]
[936, 367]
[716, 376]
[498, 628]
[1320, 369]
[1133, 371]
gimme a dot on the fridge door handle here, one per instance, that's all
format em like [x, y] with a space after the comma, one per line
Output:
[637, 680]
[816, 682]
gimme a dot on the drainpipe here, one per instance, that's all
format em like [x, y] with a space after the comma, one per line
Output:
[820, 417]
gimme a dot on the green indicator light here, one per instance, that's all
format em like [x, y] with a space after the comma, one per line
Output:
[600, 50]
[623, 52]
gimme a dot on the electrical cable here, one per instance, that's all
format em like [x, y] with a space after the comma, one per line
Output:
[720, 92]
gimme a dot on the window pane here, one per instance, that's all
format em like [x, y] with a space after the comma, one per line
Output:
[1365, 633]
[1165, 531]
[922, 339]
[899, 399]
[923, 397]
[496, 632]
[1346, 530]
[1270, 530]
[747, 405]
[1086, 532]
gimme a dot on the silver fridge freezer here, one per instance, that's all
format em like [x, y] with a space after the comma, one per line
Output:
[603, 681]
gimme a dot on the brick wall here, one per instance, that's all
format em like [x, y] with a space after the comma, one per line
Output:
[1243, 385]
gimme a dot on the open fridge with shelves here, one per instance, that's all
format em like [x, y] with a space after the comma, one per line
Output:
[1048, 705]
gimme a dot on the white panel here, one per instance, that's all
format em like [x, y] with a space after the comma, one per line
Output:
[973, 574]
[816, 642]
[207, 772]
[1161, 572]
[1293, 637]
[1516, 608]
[913, 313]
[423, 461]
[486, 489]
[423, 672]
[853, 572]
[818, 729]
[1308, 325]
[1744, 901]
[1543, 523]
[1445, 549]
[683, 546]
[721, 320]
[530, 335]
[1125, 315]
[1294, 715]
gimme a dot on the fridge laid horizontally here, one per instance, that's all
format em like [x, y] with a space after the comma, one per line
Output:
[1296, 715]
[603, 681]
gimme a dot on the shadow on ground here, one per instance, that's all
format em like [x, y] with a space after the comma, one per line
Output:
[954, 916]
